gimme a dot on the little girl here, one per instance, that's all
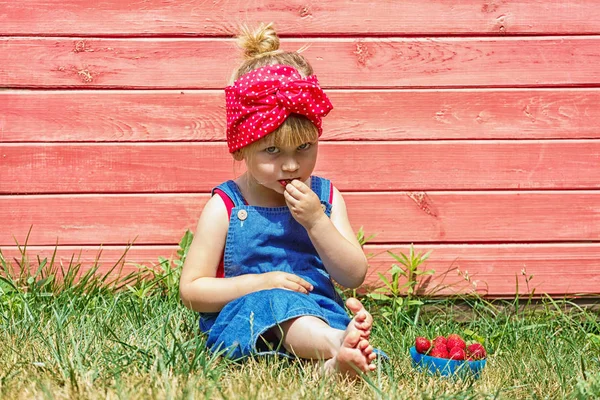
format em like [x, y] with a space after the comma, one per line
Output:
[268, 244]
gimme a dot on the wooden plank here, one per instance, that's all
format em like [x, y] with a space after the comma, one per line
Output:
[408, 165]
[96, 115]
[98, 219]
[412, 217]
[489, 270]
[339, 63]
[484, 217]
[502, 270]
[122, 260]
[73, 116]
[335, 17]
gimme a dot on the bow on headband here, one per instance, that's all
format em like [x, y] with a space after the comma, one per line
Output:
[261, 100]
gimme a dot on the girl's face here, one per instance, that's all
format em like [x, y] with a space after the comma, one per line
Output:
[274, 167]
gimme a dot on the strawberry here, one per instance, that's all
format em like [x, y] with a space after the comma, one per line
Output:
[439, 352]
[440, 340]
[455, 340]
[457, 353]
[422, 345]
[476, 351]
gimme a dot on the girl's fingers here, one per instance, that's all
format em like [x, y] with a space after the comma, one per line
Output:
[293, 286]
[299, 288]
[296, 287]
[293, 191]
[298, 188]
[299, 185]
[304, 285]
[289, 198]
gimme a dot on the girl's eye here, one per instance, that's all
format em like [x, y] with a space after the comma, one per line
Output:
[272, 150]
[304, 146]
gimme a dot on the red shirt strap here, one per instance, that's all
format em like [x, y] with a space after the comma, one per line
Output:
[229, 205]
[228, 202]
[330, 193]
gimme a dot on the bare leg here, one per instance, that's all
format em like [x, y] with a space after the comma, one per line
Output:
[310, 337]
[346, 351]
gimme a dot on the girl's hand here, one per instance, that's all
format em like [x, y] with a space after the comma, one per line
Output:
[284, 280]
[303, 203]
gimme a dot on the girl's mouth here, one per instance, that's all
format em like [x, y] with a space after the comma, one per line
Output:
[284, 182]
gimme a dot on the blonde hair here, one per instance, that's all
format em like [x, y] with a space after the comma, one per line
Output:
[260, 47]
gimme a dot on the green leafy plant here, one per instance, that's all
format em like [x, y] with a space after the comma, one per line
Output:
[588, 387]
[164, 277]
[362, 239]
[406, 280]
[50, 277]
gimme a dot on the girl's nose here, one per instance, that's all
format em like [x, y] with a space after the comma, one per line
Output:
[290, 165]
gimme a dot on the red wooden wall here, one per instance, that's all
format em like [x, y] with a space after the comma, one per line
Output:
[471, 128]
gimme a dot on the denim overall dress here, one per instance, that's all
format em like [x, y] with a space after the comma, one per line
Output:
[260, 240]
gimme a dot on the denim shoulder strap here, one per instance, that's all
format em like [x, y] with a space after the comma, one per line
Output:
[232, 191]
[323, 188]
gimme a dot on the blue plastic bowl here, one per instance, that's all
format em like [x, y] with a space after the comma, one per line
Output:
[445, 367]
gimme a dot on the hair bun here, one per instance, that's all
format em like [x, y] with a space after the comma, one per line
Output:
[255, 43]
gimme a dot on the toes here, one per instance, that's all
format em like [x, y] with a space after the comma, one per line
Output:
[363, 345]
[363, 320]
[354, 305]
[361, 316]
[352, 339]
[362, 325]
[364, 330]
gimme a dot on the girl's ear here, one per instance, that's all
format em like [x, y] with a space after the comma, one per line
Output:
[238, 156]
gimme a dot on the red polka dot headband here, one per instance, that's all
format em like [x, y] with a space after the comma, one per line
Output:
[261, 100]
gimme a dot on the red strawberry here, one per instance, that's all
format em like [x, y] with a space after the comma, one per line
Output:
[422, 345]
[455, 340]
[439, 352]
[476, 351]
[457, 353]
[440, 340]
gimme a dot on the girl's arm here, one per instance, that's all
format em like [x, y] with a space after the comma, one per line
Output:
[199, 288]
[333, 237]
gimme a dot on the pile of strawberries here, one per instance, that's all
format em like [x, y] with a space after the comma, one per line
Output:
[452, 347]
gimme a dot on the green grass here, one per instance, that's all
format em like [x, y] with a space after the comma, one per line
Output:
[94, 336]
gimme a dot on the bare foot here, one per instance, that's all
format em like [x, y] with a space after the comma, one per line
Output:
[354, 356]
[367, 351]
[362, 321]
